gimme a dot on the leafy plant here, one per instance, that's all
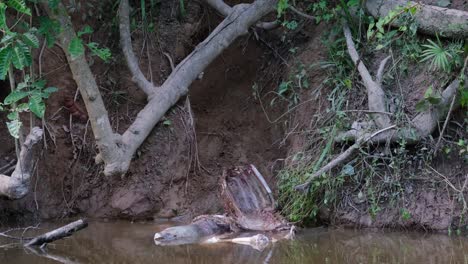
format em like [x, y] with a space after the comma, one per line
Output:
[76, 47]
[442, 58]
[35, 92]
[430, 98]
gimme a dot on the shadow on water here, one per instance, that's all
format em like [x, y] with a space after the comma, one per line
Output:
[123, 242]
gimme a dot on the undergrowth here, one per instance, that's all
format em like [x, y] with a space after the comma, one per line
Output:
[379, 176]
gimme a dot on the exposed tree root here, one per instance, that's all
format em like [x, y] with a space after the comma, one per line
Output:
[375, 94]
[17, 186]
[340, 159]
[422, 125]
[116, 151]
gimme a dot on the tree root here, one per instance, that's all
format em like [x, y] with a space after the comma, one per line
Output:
[431, 20]
[17, 186]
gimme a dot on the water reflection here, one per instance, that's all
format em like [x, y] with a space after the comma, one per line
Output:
[123, 242]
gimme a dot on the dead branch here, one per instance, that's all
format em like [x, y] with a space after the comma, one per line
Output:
[16, 186]
[59, 233]
[340, 159]
[375, 94]
[432, 20]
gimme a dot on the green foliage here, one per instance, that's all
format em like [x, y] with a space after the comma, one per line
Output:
[442, 58]
[76, 48]
[20, 6]
[282, 6]
[103, 53]
[35, 92]
[430, 98]
[49, 29]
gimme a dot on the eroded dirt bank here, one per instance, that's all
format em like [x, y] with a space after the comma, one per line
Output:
[177, 170]
[175, 174]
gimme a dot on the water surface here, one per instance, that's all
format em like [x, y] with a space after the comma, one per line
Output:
[124, 242]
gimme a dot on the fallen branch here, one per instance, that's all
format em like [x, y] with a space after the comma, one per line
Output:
[16, 186]
[432, 20]
[59, 233]
[340, 159]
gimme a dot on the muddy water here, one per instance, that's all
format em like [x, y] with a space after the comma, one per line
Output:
[123, 242]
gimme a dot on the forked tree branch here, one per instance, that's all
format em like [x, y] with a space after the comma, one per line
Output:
[375, 94]
[16, 186]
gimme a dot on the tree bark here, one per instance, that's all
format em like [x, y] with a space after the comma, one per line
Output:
[431, 20]
[17, 186]
[106, 140]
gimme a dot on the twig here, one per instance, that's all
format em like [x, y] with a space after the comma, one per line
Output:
[436, 148]
[302, 14]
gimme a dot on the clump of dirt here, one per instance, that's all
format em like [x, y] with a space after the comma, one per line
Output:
[176, 172]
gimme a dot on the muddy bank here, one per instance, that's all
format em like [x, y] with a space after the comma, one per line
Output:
[176, 172]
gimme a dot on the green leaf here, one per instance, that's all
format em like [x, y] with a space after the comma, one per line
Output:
[422, 106]
[103, 53]
[3, 24]
[49, 28]
[36, 105]
[86, 30]
[46, 93]
[53, 4]
[30, 39]
[5, 60]
[20, 6]
[13, 115]
[464, 98]
[14, 128]
[22, 107]
[18, 58]
[76, 48]
[282, 6]
[15, 96]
